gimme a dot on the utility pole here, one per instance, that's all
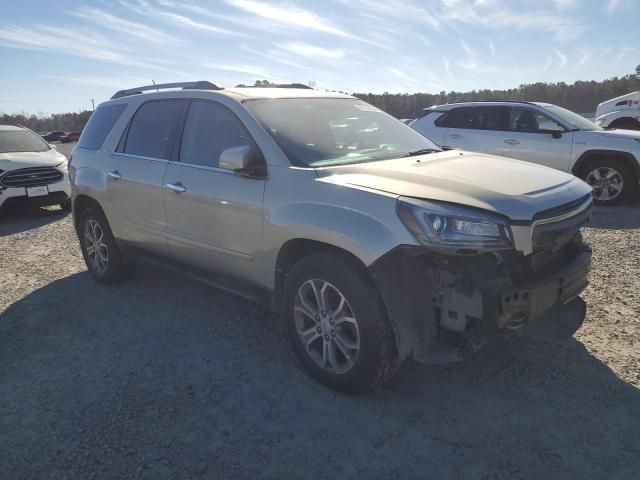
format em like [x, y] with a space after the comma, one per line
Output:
[93, 105]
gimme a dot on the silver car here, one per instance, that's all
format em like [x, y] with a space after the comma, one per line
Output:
[372, 243]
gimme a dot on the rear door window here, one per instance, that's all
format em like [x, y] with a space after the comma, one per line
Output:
[99, 125]
[474, 118]
[153, 129]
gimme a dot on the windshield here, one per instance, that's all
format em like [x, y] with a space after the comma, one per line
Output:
[21, 141]
[318, 132]
[572, 118]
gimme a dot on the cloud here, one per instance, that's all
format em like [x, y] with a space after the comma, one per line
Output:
[585, 58]
[466, 47]
[116, 83]
[66, 42]
[625, 50]
[250, 70]
[447, 65]
[107, 20]
[143, 7]
[613, 4]
[498, 15]
[492, 48]
[307, 50]
[289, 15]
[402, 10]
[186, 22]
[547, 64]
[561, 56]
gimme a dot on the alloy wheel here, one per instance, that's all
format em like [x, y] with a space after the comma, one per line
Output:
[606, 182]
[327, 326]
[97, 250]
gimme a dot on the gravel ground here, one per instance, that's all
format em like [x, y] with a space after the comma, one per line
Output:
[161, 377]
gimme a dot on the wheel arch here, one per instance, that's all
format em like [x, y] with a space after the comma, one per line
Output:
[80, 204]
[589, 155]
[624, 120]
[294, 250]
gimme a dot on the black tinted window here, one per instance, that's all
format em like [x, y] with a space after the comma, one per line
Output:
[99, 126]
[474, 118]
[529, 121]
[210, 129]
[153, 128]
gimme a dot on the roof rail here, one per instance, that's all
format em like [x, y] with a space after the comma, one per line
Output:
[200, 85]
[294, 85]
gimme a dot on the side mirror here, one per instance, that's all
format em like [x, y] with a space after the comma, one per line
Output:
[553, 129]
[235, 158]
[54, 147]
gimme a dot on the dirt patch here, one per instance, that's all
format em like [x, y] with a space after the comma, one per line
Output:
[161, 377]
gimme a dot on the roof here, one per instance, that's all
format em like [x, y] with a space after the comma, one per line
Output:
[252, 92]
[10, 128]
[239, 93]
[488, 103]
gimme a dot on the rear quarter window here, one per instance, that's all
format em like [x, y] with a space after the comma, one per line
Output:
[99, 126]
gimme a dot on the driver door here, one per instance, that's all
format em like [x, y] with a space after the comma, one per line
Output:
[530, 138]
[214, 216]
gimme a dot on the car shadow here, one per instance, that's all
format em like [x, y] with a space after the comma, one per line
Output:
[621, 217]
[15, 219]
[160, 376]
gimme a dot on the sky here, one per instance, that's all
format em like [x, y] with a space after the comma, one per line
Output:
[58, 55]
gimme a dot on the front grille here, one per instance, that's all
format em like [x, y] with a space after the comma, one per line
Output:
[553, 235]
[562, 209]
[30, 177]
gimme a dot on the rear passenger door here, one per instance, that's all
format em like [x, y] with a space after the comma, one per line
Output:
[214, 216]
[136, 173]
[477, 129]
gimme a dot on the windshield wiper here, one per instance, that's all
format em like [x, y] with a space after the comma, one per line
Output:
[422, 151]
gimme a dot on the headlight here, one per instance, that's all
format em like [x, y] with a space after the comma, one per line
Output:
[600, 121]
[64, 166]
[442, 225]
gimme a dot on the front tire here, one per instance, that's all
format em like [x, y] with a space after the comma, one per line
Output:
[337, 323]
[102, 256]
[612, 180]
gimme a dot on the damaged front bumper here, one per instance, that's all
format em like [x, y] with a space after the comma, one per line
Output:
[441, 305]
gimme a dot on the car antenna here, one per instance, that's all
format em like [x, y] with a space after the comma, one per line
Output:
[154, 82]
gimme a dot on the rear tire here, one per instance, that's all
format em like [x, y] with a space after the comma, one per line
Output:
[613, 180]
[101, 254]
[337, 323]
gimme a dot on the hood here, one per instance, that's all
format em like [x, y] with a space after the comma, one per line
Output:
[16, 160]
[508, 187]
[616, 133]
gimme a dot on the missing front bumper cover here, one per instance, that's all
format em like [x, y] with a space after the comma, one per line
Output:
[436, 302]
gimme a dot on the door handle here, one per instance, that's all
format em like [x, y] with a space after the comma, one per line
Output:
[455, 135]
[512, 142]
[177, 187]
[114, 175]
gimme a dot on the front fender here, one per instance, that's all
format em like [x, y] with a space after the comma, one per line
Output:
[357, 232]
[610, 117]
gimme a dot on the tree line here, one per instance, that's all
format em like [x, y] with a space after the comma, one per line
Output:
[581, 97]
[65, 122]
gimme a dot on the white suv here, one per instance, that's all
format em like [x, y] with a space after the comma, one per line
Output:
[541, 133]
[31, 170]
